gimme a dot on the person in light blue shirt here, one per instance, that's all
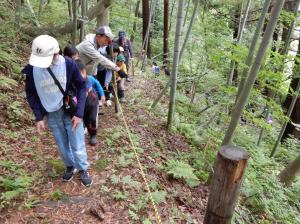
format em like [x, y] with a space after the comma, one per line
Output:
[94, 93]
[46, 102]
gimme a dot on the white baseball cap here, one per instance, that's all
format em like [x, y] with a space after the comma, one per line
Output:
[105, 30]
[42, 51]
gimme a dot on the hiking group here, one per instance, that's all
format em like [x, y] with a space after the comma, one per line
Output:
[67, 90]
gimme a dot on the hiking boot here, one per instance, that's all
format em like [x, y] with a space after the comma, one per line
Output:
[69, 173]
[128, 80]
[93, 140]
[85, 178]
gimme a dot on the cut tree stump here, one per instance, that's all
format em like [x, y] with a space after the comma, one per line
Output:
[225, 187]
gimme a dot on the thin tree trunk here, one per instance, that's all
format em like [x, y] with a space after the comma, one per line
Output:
[252, 46]
[171, 15]
[146, 42]
[103, 18]
[237, 111]
[41, 7]
[146, 18]
[238, 40]
[160, 95]
[18, 15]
[83, 19]
[74, 29]
[290, 172]
[267, 108]
[197, 3]
[295, 116]
[288, 115]
[186, 12]
[134, 23]
[68, 27]
[290, 29]
[70, 9]
[166, 32]
[37, 23]
[175, 64]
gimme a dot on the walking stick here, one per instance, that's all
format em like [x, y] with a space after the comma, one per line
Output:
[114, 80]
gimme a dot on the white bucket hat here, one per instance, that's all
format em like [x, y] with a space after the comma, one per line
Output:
[42, 51]
[105, 30]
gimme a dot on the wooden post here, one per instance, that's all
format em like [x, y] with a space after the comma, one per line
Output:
[225, 187]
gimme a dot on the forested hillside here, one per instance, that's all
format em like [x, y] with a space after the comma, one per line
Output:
[208, 130]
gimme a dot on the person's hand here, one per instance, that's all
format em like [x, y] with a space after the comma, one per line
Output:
[119, 78]
[40, 126]
[117, 69]
[102, 99]
[75, 122]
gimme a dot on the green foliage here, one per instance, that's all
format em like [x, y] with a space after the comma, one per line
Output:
[120, 196]
[101, 164]
[59, 195]
[127, 180]
[13, 182]
[159, 196]
[179, 169]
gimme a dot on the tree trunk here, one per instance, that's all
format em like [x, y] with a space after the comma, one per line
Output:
[67, 28]
[171, 15]
[237, 111]
[37, 23]
[134, 23]
[291, 109]
[186, 12]
[288, 175]
[74, 29]
[233, 72]
[41, 3]
[175, 64]
[18, 15]
[253, 45]
[103, 18]
[197, 3]
[70, 9]
[83, 19]
[287, 31]
[229, 169]
[166, 32]
[146, 18]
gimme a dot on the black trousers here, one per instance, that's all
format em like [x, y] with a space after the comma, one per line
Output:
[90, 118]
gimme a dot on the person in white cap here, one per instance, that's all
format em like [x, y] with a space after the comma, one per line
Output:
[89, 54]
[46, 100]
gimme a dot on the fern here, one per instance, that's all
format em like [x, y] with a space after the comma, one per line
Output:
[179, 169]
[159, 196]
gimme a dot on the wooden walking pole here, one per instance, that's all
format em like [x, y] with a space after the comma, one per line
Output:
[225, 186]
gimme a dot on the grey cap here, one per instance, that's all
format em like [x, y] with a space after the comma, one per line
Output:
[105, 30]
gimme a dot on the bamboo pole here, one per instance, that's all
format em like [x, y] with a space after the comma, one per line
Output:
[292, 105]
[237, 111]
[253, 45]
[175, 64]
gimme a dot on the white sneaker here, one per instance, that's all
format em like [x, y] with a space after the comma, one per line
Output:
[85, 131]
[108, 103]
[100, 104]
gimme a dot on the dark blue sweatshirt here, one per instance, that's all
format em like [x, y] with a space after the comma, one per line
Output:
[75, 83]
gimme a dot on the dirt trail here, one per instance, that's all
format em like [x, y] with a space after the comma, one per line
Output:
[118, 194]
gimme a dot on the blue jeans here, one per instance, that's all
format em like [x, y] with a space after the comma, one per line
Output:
[71, 144]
